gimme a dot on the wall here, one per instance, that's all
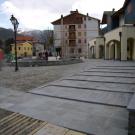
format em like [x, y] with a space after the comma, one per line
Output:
[57, 35]
[121, 20]
[130, 13]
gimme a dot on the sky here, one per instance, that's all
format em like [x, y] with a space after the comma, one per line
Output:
[38, 14]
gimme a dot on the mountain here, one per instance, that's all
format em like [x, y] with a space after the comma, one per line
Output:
[34, 33]
[39, 35]
[6, 33]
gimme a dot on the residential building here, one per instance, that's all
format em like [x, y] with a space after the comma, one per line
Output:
[38, 48]
[73, 32]
[119, 39]
[23, 49]
[24, 46]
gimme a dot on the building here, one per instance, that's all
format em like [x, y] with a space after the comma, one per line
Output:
[118, 40]
[24, 46]
[73, 32]
[23, 49]
[38, 48]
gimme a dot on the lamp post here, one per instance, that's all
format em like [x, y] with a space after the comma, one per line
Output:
[120, 34]
[15, 23]
[88, 50]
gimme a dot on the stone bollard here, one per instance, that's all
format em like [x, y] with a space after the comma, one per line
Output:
[131, 122]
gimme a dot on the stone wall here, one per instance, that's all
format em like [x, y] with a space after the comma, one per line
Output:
[131, 122]
[34, 63]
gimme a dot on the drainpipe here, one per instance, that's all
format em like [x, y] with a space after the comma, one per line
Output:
[120, 34]
[104, 48]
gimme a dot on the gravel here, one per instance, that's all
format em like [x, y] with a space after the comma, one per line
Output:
[28, 78]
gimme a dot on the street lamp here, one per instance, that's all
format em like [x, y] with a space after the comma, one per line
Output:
[15, 25]
[120, 34]
[88, 50]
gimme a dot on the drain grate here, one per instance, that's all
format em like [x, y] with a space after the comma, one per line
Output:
[18, 124]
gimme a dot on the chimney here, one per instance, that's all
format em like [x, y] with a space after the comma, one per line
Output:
[72, 12]
[87, 14]
[61, 16]
[113, 9]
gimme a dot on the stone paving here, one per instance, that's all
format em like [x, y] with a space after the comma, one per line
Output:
[93, 101]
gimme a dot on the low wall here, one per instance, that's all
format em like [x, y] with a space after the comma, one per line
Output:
[131, 122]
[29, 63]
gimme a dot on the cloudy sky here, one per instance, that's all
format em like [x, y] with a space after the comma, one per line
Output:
[37, 14]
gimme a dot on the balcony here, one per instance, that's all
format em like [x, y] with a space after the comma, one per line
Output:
[72, 28]
[72, 36]
[72, 43]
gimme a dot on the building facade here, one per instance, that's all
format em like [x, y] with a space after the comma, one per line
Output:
[23, 49]
[119, 35]
[73, 32]
[24, 45]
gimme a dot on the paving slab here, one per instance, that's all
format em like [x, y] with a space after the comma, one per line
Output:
[102, 74]
[115, 68]
[81, 95]
[51, 129]
[84, 117]
[131, 105]
[103, 79]
[114, 87]
[74, 133]
[111, 70]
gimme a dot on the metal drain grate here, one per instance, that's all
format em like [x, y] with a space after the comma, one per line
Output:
[17, 124]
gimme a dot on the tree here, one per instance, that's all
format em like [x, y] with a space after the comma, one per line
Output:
[46, 37]
[8, 42]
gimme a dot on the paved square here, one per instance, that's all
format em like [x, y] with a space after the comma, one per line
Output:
[92, 101]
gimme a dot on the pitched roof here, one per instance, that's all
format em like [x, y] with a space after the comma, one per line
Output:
[24, 38]
[73, 18]
[121, 10]
[105, 14]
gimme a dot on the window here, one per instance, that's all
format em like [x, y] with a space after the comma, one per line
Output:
[28, 48]
[79, 50]
[79, 26]
[85, 41]
[66, 34]
[19, 48]
[85, 34]
[72, 50]
[65, 41]
[79, 34]
[85, 26]
[24, 48]
[65, 26]
[79, 40]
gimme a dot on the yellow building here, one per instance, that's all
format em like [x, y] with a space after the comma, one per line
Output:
[23, 49]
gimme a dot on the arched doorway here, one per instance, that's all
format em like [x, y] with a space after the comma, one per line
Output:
[92, 51]
[112, 51]
[130, 48]
[118, 51]
[101, 51]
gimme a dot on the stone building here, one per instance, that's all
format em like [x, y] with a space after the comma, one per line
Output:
[118, 41]
[73, 32]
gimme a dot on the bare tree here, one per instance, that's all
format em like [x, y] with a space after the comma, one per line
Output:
[46, 38]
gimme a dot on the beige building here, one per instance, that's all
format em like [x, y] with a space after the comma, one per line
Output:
[73, 32]
[119, 36]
